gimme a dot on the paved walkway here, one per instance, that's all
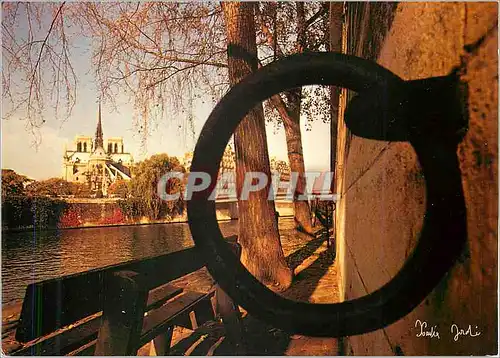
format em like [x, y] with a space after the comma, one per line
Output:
[315, 281]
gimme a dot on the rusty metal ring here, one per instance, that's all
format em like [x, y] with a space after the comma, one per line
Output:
[442, 236]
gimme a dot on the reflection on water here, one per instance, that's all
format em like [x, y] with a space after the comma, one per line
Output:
[30, 257]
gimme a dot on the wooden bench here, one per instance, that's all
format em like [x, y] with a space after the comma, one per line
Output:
[118, 309]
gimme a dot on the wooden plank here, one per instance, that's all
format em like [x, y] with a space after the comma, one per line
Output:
[161, 343]
[52, 304]
[159, 320]
[64, 342]
[85, 350]
[162, 294]
[122, 316]
[199, 313]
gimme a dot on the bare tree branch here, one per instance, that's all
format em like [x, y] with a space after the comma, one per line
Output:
[318, 14]
[44, 42]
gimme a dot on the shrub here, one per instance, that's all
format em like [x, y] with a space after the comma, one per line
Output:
[131, 208]
[116, 218]
[71, 218]
[24, 211]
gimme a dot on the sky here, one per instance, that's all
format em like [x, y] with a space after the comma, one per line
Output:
[169, 135]
[44, 160]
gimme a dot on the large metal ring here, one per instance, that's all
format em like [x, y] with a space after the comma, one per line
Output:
[442, 236]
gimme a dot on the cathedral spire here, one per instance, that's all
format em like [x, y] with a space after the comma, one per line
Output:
[99, 142]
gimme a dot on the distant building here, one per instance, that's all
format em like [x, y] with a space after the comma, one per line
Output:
[97, 163]
[228, 168]
[228, 162]
[281, 167]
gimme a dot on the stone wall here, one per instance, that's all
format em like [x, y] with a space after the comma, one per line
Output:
[99, 212]
[92, 212]
[382, 190]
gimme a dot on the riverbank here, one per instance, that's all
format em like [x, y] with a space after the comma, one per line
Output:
[222, 216]
[178, 220]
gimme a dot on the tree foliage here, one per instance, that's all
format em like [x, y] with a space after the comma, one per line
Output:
[162, 55]
[120, 188]
[143, 197]
[55, 187]
[283, 34]
[12, 183]
[27, 211]
[34, 204]
[37, 60]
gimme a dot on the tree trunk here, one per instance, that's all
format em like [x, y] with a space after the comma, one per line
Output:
[290, 115]
[293, 136]
[296, 159]
[261, 252]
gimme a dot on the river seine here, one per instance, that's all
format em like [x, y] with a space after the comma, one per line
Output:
[30, 257]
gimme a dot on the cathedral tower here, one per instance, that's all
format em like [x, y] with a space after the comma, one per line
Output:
[99, 141]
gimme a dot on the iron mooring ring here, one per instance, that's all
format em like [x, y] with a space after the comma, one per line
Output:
[427, 113]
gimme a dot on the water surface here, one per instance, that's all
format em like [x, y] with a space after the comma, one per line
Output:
[30, 257]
